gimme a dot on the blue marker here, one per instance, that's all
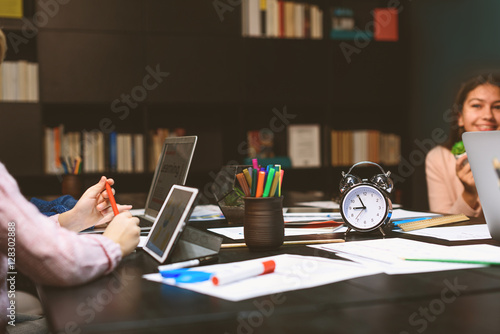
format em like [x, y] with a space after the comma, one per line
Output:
[185, 275]
[397, 222]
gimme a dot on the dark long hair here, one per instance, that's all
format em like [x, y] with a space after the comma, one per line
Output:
[456, 131]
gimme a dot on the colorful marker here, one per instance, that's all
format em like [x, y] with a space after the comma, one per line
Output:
[112, 199]
[260, 184]
[248, 271]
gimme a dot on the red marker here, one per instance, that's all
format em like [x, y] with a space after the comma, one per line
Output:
[112, 199]
[246, 271]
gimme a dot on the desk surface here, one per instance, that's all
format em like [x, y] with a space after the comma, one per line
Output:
[459, 301]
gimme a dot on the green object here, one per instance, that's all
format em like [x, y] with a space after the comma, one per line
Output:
[487, 263]
[458, 148]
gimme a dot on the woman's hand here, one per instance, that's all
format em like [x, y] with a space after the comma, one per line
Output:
[124, 230]
[93, 208]
[464, 173]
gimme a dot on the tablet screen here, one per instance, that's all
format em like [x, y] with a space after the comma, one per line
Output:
[170, 221]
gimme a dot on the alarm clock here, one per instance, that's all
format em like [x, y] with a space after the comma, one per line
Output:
[365, 205]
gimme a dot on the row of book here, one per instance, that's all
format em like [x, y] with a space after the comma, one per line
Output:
[92, 152]
[19, 81]
[349, 147]
[157, 138]
[384, 26]
[281, 19]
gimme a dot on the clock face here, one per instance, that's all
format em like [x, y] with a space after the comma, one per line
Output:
[364, 207]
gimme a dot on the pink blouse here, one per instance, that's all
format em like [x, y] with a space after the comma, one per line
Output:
[443, 185]
[44, 251]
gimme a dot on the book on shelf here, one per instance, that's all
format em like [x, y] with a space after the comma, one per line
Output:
[281, 19]
[343, 25]
[19, 81]
[96, 151]
[11, 8]
[157, 138]
[386, 24]
[304, 145]
[260, 144]
[349, 147]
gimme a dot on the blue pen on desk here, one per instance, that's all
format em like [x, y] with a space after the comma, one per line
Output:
[186, 275]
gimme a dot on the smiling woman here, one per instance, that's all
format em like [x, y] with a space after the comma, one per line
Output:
[450, 183]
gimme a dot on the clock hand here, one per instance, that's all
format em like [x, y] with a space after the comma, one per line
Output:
[360, 207]
[359, 214]
[363, 204]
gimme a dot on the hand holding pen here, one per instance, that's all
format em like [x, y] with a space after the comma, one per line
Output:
[92, 209]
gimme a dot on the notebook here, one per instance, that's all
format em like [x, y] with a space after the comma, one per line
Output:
[172, 168]
[483, 153]
[170, 222]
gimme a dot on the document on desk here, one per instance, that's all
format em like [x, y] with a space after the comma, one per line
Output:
[388, 255]
[321, 204]
[236, 233]
[406, 214]
[455, 233]
[292, 272]
[311, 216]
[206, 213]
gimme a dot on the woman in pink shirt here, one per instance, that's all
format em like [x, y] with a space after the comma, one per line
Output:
[48, 254]
[451, 186]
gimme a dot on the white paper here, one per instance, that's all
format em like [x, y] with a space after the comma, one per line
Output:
[206, 213]
[293, 272]
[321, 204]
[236, 233]
[405, 214]
[454, 233]
[388, 255]
[311, 216]
[473, 253]
[332, 205]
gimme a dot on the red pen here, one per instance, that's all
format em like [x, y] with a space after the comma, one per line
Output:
[112, 199]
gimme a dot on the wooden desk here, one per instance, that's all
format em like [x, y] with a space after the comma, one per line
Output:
[459, 301]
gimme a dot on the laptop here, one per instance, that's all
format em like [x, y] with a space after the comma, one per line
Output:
[170, 222]
[483, 153]
[172, 168]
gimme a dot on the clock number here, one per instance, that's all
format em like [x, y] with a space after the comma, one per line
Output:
[376, 200]
[364, 193]
[352, 201]
[372, 220]
[379, 207]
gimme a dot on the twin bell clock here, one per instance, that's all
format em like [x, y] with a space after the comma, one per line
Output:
[365, 205]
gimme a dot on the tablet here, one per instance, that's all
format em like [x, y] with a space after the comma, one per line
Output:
[170, 222]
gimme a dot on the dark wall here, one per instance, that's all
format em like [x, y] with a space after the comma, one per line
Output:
[451, 40]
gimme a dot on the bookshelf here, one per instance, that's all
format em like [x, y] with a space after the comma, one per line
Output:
[219, 84]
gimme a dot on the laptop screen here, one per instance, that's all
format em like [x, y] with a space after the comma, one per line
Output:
[172, 168]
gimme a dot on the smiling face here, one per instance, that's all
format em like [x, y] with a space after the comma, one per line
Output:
[481, 109]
